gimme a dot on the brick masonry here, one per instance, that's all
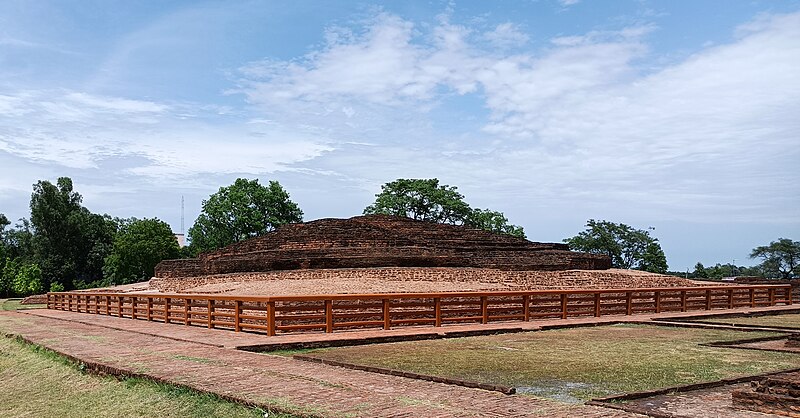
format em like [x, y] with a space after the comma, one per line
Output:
[352, 280]
[381, 241]
[771, 395]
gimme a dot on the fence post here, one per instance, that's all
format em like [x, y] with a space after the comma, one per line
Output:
[387, 319]
[657, 297]
[328, 316]
[708, 299]
[484, 310]
[752, 297]
[133, 307]
[437, 312]
[771, 296]
[683, 301]
[210, 311]
[166, 310]
[271, 318]
[597, 304]
[629, 303]
[526, 307]
[186, 309]
[149, 308]
[237, 306]
[563, 306]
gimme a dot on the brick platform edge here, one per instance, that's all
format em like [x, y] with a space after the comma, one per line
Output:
[507, 390]
[784, 401]
[98, 369]
[613, 402]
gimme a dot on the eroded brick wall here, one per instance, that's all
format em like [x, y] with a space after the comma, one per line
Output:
[507, 280]
[381, 241]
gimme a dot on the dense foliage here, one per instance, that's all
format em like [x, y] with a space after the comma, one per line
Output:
[139, 245]
[628, 248]
[781, 258]
[240, 211]
[427, 200]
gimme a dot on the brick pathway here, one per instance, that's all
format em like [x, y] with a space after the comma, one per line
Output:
[204, 359]
[269, 381]
[229, 339]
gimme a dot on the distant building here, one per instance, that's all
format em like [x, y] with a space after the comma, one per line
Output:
[181, 240]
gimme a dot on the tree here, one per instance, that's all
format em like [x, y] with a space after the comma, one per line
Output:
[781, 257]
[494, 221]
[69, 243]
[427, 200]
[240, 211]
[138, 247]
[28, 280]
[627, 247]
[700, 271]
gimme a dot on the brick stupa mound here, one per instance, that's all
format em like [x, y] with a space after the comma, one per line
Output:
[381, 241]
[372, 254]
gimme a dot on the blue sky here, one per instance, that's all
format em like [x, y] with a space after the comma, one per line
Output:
[680, 116]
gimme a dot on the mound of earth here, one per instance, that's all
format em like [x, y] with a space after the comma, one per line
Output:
[409, 279]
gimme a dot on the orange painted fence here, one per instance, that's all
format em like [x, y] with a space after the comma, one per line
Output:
[272, 315]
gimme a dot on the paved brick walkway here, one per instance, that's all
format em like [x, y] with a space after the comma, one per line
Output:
[204, 359]
[229, 339]
[271, 381]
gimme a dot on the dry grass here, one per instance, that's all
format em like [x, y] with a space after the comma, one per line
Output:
[35, 382]
[576, 364]
[786, 320]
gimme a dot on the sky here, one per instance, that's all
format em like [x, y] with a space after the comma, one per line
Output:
[680, 116]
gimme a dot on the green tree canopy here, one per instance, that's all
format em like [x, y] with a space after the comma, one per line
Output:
[628, 248]
[427, 200]
[780, 258]
[69, 243]
[240, 211]
[139, 245]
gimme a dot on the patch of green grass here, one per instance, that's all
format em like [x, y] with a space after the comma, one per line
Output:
[576, 364]
[41, 383]
[785, 320]
[14, 305]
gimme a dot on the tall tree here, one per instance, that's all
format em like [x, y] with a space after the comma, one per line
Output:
[427, 200]
[240, 211]
[781, 257]
[628, 248]
[139, 245]
[69, 243]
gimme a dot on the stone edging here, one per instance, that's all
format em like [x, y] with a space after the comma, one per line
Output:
[507, 390]
[99, 369]
[613, 401]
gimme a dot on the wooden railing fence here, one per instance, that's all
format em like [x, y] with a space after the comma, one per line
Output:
[272, 315]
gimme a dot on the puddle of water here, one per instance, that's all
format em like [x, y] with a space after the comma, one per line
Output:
[560, 390]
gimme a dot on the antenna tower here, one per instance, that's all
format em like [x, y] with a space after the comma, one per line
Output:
[182, 231]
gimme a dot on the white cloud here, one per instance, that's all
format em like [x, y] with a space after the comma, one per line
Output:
[507, 35]
[581, 117]
[79, 131]
[567, 3]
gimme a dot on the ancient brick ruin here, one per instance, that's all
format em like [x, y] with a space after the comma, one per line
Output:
[381, 241]
[779, 395]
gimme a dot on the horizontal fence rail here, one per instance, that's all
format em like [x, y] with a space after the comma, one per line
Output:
[272, 315]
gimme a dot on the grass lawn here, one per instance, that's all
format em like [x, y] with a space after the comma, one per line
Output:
[35, 382]
[786, 320]
[14, 304]
[574, 365]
